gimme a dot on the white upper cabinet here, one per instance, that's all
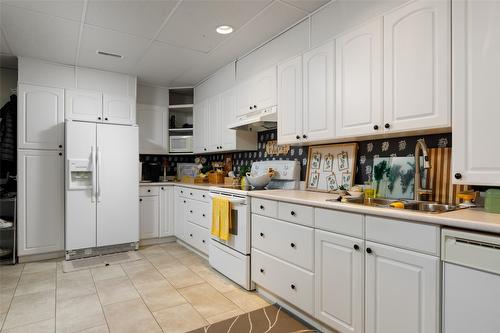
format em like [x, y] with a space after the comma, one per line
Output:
[339, 276]
[417, 77]
[83, 105]
[153, 129]
[290, 101]
[40, 201]
[227, 112]
[257, 93]
[319, 109]
[200, 133]
[119, 109]
[40, 117]
[214, 124]
[402, 291]
[476, 99]
[359, 80]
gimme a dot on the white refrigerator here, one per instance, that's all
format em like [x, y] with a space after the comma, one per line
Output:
[102, 185]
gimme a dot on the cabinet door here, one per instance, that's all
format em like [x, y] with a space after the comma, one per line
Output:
[359, 80]
[417, 77]
[339, 276]
[476, 101]
[200, 117]
[118, 109]
[402, 291]
[40, 117]
[244, 98]
[213, 124]
[228, 116]
[83, 105]
[180, 212]
[149, 217]
[319, 117]
[153, 129]
[290, 101]
[166, 211]
[40, 201]
[263, 89]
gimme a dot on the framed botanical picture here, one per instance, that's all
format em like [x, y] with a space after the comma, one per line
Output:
[315, 160]
[314, 179]
[330, 167]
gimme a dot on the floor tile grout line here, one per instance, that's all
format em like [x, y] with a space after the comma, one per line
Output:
[12, 299]
[100, 302]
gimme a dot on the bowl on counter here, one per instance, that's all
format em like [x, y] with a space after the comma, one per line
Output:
[259, 182]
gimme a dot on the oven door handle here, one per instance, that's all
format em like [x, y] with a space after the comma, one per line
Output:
[233, 200]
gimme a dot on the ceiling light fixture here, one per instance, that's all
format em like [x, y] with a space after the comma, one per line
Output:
[110, 54]
[224, 29]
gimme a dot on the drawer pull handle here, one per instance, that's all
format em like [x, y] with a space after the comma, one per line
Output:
[184, 201]
[262, 270]
[149, 190]
[190, 235]
[191, 211]
[292, 245]
[375, 127]
[261, 207]
[387, 125]
[368, 250]
[203, 215]
[203, 195]
[191, 193]
[297, 137]
[293, 213]
[261, 234]
[356, 247]
[140, 199]
[203, 241]
[292, 286]
[162, 188]
[182, 192]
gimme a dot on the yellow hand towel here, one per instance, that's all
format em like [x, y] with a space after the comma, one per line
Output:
[221, 217]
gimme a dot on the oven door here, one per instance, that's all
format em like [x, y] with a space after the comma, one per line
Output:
[239, 233]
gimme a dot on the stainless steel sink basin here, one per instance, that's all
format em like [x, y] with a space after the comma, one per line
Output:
[421, 206]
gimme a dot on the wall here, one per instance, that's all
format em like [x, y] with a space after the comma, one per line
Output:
[152, 95]
[8, 81]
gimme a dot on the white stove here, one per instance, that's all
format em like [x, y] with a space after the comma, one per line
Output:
[232, 257]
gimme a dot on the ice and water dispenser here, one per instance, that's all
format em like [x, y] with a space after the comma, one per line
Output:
[80, 174]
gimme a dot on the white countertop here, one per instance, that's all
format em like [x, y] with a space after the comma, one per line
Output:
[470, 218]
[200, 186]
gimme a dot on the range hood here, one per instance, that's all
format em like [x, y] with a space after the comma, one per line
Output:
[257, 121]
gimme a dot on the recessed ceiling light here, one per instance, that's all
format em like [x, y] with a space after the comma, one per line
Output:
[109, 54]
[224, 29]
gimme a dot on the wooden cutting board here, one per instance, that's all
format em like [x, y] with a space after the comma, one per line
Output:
[440, 176]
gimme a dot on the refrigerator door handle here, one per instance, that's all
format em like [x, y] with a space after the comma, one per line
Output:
[94, 184]
[99, 187]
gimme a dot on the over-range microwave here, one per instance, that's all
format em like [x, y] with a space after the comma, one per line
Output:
[181, 144]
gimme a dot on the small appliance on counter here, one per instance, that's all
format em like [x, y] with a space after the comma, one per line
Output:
[151, 171]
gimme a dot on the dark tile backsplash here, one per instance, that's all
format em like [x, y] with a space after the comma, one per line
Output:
[368, 150]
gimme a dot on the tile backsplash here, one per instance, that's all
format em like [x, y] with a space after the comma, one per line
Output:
[368, 150]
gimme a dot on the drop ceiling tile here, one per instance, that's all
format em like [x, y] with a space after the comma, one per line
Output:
[307, 5]
[70, 9]
[163, 63]
[129, 46]
[141, 18]
[38, 35]
[193, 23]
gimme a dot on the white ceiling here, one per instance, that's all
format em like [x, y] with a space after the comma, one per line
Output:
[163, 42]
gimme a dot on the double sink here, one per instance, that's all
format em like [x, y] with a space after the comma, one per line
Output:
[421, 206]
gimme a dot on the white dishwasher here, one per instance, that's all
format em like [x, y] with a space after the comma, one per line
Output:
[471, 282]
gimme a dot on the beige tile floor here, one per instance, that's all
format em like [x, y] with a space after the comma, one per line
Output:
[171, 290]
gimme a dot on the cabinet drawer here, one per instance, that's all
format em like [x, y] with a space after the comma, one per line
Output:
[181, 191]
[265, 207]
[287, 241]
[296, 213]
[148, 191]
[196, 236]
[292, 283]
[200, 195]
[408, 235]
[199, 213]
[340, 222]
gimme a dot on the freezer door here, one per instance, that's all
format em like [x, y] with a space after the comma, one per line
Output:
[80, 200]
[117, 184]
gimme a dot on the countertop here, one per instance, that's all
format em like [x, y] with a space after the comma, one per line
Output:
[200, 186]
[469, 218]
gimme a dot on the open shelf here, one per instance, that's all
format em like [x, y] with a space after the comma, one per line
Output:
[189, 129]
[181, 106]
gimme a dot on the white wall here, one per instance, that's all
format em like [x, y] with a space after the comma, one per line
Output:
[8, 81]
[152, 95]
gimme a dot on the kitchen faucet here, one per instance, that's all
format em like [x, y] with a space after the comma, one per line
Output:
[418, 190]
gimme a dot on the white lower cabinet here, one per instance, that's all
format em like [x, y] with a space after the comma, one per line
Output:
[166, 211]
[180, 216]
[339, 273]
[149, 217]
[40, 201]
[402, 291]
